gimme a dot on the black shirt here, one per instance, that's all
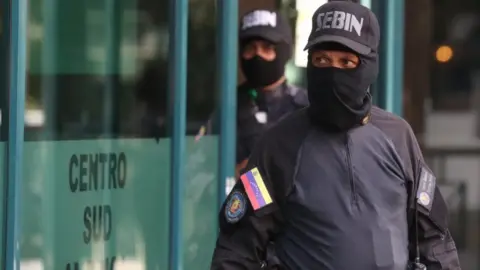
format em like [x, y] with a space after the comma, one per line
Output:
[258, 110]
[338, 201]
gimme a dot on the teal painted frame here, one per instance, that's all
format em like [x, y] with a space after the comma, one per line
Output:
[227, 35]
[49, 66]
[17, 84]
[112, 68]
[393, 33]
[389, 88]
[177, 96]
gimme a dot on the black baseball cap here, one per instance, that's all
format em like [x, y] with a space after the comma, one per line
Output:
[347, 23]
[266, 24]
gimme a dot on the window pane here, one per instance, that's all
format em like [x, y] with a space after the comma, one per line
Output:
[200, 211]
[97, 152]
[440, 99]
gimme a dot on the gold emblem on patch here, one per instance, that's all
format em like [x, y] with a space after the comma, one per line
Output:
[424, 199]
[235, 205]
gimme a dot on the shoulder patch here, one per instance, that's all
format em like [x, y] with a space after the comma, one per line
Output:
[257, 192]
[236, 207]
[426, 188]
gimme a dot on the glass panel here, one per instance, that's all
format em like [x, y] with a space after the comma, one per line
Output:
[441, 101]
[200, 214]
[97, 151]
[455, 69]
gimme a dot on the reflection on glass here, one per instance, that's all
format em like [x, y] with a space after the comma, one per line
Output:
[97, 152]
[200, 216]
[449, 109]
[108, 65]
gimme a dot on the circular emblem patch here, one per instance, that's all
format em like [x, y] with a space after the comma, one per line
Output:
[424, 199]
[235, 208]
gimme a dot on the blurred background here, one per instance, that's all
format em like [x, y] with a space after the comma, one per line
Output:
[97, 74]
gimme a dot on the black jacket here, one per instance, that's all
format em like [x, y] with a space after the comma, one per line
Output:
[339, 201]
[251, 104]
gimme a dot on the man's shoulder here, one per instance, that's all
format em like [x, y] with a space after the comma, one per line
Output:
[284, 133]
[388, 121]
[299, 94]
[282, 142]
[290, 128]
[396, 128]
[382, 114]
[399, 131]
[295, 89]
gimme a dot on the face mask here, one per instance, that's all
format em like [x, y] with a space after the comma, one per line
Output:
[339, 98]
[260, 72]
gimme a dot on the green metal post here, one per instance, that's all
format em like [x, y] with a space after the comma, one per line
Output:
[227, 26]
[18, 69]
[4, 74]
[177, 92]
[391, 72]
[110, 104]
[49, 93]
[49, 67]
[112, 67]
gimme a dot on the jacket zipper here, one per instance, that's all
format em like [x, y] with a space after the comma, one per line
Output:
[350, 171]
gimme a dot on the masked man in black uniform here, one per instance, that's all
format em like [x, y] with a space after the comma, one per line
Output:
[340, 185]
[265, 47]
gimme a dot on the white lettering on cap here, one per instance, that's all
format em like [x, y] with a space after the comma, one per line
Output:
[259, 18]
[339, 20]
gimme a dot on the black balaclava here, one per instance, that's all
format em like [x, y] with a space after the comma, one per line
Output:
[260, 72]
[339, 98]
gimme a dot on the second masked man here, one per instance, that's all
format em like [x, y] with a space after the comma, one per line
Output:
[265, 46]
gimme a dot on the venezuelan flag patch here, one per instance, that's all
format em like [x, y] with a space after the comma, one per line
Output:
[255, 188]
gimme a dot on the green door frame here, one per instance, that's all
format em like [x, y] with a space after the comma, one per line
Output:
[17, 84]
[388, 91]
[393, 57]
[227, 26]
[177, 96]
[227, 35]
